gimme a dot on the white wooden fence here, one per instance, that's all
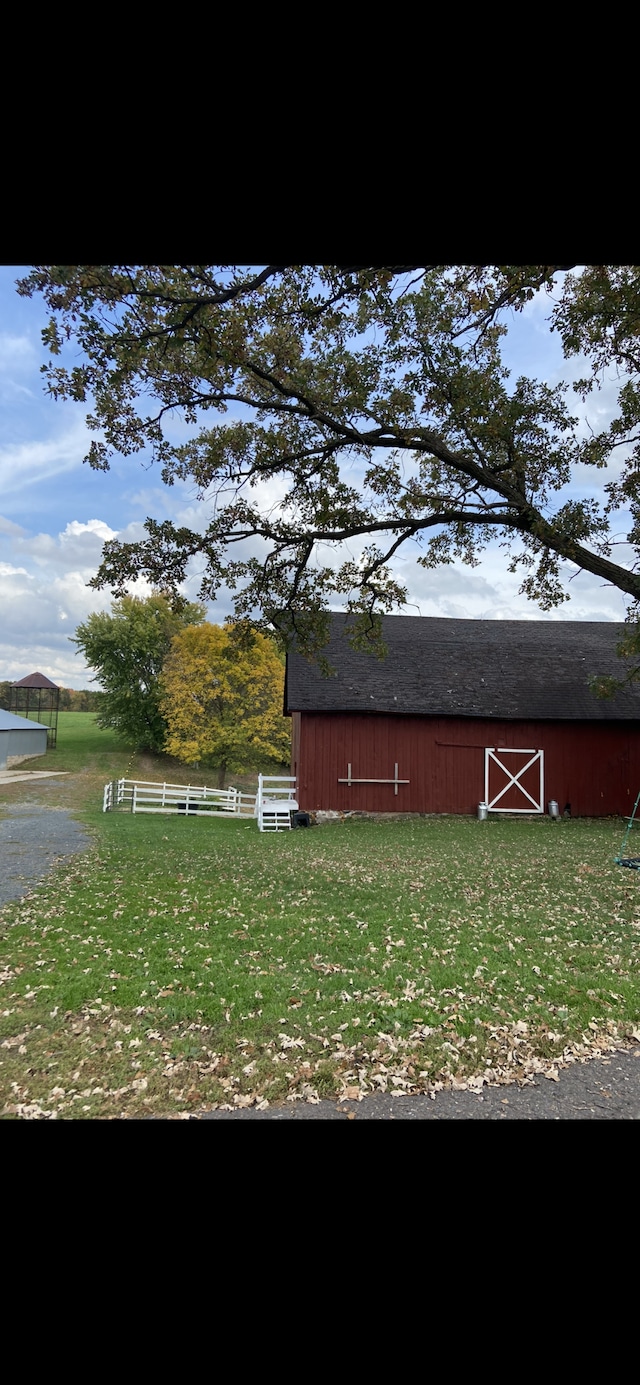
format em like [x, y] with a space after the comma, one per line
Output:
[272, 805]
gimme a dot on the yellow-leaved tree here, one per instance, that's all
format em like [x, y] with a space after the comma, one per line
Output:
[222, 701]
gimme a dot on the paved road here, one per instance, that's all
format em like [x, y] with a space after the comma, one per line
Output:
[602, 1089]
[32, 839]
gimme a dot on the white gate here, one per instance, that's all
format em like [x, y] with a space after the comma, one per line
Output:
[275, 802]
[505, 779]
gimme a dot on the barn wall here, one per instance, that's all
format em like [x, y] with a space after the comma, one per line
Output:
[593, 766]
[295, 742]
[16, 746]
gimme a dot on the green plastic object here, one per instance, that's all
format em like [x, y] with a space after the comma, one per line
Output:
[632, 862]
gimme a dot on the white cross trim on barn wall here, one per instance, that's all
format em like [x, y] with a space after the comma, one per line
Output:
[491, 753]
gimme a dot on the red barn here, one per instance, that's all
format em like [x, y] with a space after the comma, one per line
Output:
[462, 712]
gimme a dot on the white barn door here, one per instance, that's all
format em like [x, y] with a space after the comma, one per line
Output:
[514, 780]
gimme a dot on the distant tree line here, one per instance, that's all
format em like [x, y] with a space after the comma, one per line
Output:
[71, 699]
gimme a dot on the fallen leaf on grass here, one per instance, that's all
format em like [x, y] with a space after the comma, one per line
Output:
[351, 1094]
[33, 1111]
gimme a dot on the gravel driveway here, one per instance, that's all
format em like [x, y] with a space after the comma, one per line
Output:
[32, 840]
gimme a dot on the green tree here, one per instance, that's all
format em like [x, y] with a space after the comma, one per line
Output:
[222, 701]
[86, 700]
[5, 694]
[372, 402]
[127, 649]
[79, 700]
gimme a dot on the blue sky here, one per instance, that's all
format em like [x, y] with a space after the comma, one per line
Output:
[56, 513]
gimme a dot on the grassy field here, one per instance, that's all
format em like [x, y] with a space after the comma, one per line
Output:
[84, 753]
[90, 756]
[185, 963]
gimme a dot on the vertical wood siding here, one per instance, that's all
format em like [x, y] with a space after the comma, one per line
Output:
[594, 767]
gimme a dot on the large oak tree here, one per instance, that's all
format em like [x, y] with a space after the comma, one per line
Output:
[351, 403]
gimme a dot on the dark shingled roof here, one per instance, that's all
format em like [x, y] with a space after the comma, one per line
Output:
[35, 680]
[469, 668]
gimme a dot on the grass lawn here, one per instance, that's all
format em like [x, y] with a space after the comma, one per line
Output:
[184, 963]
[83, 751]
[83, 747]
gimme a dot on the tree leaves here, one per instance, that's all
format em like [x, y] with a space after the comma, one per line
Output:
[127, 649]
[372, 402]
[222, 700]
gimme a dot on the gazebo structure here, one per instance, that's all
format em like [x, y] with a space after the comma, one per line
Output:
[38, 699]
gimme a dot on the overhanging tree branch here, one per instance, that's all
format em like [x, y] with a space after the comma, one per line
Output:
[374, 398]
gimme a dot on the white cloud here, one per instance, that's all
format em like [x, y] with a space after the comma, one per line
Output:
[11, 391]
[30, 463]
[489, 592]
[7, 570]
[8, 527]
[152, 498]
[92, 526]
[77, 550]
[43, 603]
[16, 352]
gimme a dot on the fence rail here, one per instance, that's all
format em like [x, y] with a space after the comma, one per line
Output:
[272, 805]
